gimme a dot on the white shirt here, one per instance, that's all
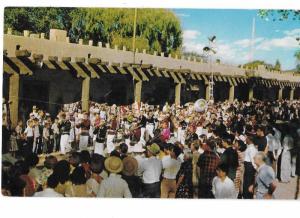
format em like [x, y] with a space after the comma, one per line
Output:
[47, 192]
[36, 132]
[151, 169]
[29, 131]
[170, 166]
[250, 153]
[139, 159]
[223, 189]
[93, 186]
[114, 187]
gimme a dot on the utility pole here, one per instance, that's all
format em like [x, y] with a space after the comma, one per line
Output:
[210, 50]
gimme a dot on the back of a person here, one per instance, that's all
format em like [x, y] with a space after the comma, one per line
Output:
[208, 162]
[153, 172]
[223, 189]
[171, 166]
[77, 191]
[48, 192]
[113, 187]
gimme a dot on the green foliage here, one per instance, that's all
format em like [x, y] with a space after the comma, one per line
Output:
[283, 15]
[253, 64]
[277, 65]
[157, 29]
[280, 15]
[297, 56]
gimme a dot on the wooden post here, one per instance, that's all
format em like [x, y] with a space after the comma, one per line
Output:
[14, 85]
[207, 94]
[292, 91]
[138, 91]
[177, 93]
[280, 94]
[231, 93]
[250, 94]
[85, 94]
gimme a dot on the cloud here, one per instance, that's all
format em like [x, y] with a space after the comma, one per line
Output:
[286, 42]
[245, 43]
[183, 15]
[294, 32]
[191, 46]
[190, 34]
[226, 52]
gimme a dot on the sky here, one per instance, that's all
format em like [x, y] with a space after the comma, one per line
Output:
[233, 28]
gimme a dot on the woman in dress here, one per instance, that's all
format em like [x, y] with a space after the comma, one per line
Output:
[286, 159]
[184, 179]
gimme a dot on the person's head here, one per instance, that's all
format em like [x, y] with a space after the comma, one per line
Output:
[249, 139]
[52, 181]
[153, 150]
[123, 148]
[75, 159]
[115, 153]
[222, 170]
[113, 164]
[188, 156]
[85, 156]
[226, 142]
[175, 151]
[62, 171]
[211, 144]
[195, 145]
[63, 116]
[239, 145]
[260, 158]
[32, 160]
[97, 163]
[50, 162]
[164, 125]
[260, 130]
[20, 168]
[17, 187]
[78, 176]
[20, 123]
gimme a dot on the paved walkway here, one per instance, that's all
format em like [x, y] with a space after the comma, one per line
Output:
[287, 190]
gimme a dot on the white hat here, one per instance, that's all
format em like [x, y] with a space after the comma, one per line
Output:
[138, 148]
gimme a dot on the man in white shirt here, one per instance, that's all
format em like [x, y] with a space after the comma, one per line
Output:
[249, 173]
[29, 134]
[222, 185]
[49, 191]
[114, 186]
[151, 169]
[171, 165]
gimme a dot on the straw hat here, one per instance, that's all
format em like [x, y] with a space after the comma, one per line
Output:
[154, 149]
[130, 166]
[113, 164]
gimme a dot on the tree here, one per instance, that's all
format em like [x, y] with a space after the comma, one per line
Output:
[280, 14]
[277, 65]
[157, 29]
[283, 15]
[297, 56]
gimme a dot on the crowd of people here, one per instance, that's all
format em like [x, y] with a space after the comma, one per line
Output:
[223, 150]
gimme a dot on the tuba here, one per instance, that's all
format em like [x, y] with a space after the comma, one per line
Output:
[200, 105]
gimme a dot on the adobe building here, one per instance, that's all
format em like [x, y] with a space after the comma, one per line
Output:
[52, 72]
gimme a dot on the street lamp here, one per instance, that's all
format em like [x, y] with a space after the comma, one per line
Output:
[210, 50]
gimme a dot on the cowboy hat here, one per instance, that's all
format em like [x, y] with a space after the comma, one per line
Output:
[154, 149]
[113, 164]
[130, 166]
